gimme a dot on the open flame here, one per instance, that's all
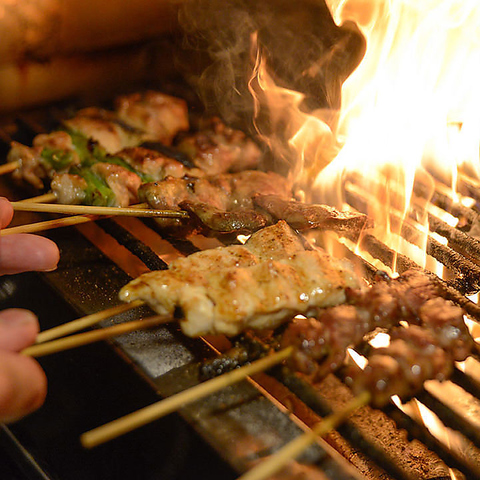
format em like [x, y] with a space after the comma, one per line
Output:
[409, 114]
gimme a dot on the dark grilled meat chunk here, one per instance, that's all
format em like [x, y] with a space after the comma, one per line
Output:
[243, 220]
[321, 342]
[220, 149]
[413, 357]
[303, 216]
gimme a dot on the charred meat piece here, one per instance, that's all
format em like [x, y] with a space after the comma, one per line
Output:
[413, 357]
[158, 116]
[243, 220]
[270, 279]
[303, 216]
[220, 149]
[321, 342]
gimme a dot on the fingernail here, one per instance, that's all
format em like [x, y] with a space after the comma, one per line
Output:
[17, 317]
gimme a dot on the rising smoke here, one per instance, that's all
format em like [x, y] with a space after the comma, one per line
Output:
[306, 51]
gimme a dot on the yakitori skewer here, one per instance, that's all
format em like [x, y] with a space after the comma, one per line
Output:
[157, 410]
[268, 467]
[45, 198]
[85, 322]
[48, 225]
[9, 167]
[86, 338]
[138, 210]
[92, 212]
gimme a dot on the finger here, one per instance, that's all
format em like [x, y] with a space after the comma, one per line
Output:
[25, 253]
[23, 386]
[18, 329]
[6, 212]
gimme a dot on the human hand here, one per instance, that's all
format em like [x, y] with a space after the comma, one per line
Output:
[23, 384]
[24, 252]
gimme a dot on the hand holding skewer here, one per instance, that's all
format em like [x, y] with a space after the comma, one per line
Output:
[22, 381]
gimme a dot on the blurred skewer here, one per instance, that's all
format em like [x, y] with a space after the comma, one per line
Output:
[9, 167]
[93, 213]
[139, 210]
[85, 322]
[86, 338]
[291, 450]
[171, 404]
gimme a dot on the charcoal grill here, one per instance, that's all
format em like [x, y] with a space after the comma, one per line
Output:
[228, 432]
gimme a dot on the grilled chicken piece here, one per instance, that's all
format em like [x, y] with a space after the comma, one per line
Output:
[104, 127]
[121, 181]
[303, 216]
[225, 192]
[220, 149]
[103, 184]
[160, 117]
[69, 189]
[50, 153]
[153, 165]
[122, 174]
[259, 285]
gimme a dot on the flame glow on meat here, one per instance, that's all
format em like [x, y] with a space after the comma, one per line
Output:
[257, 285]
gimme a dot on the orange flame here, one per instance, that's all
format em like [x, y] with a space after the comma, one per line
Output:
[409, 112]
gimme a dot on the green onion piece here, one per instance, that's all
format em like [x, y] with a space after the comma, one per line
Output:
[97, 193]
[58, 159]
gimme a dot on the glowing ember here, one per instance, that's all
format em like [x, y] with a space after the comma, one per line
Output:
[409, 114]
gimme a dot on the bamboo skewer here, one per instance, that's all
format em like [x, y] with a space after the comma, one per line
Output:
[157, 410]
[135, 211]
[9, 167]
[45, 198]
[85, 322]
[79, 219]
[48, 225]
[74, 341]
[268, 467]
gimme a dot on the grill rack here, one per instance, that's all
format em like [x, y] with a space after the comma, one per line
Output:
[240, 402]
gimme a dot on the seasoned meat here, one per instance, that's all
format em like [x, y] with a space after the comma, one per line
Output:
[160, 117]
[50, 153]
[243, 220]
[220, 149]
[122, 182]
[224, 192]
[105, 128]
[436, 337]
[32, 169]
[152, 165]
[413, 357]
[303, 216]
[69, 189]
[271, 282]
